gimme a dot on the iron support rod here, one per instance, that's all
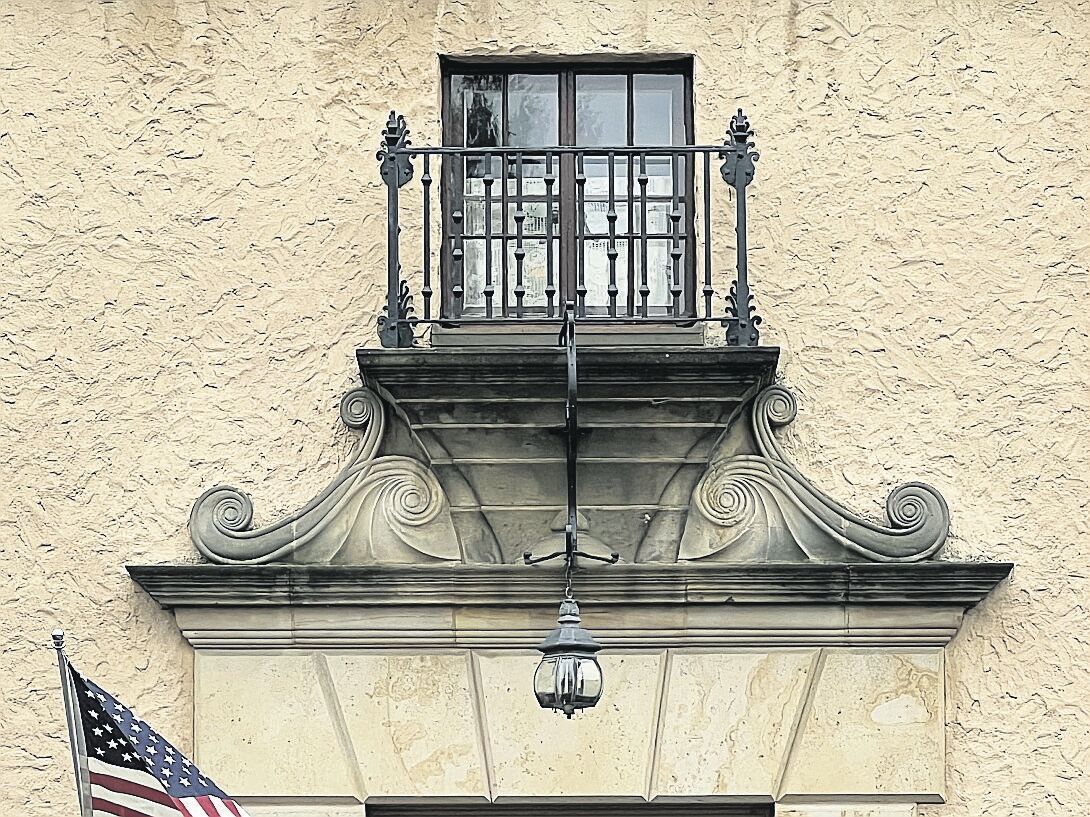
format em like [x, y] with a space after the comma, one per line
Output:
[571, 417]
[571, 549]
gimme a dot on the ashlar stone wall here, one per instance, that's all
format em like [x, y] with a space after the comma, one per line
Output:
[191, 246]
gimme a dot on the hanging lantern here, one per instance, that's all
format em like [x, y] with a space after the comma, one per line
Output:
[569, 677]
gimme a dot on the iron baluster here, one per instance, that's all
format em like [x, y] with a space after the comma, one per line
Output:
[580, 236]
[395, 327]
[739, 158]
[520, 250]
[427, 291]
[630, 271]
[457, 259]
[675, 228]
[550, 285]
[706, 230]
[489, 287]
[505, 283]
[611, 250]
[645, 290]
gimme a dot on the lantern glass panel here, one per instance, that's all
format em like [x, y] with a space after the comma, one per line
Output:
[590, 679]
[545, 682]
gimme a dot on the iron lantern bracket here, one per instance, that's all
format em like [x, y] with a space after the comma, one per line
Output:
[571, 549]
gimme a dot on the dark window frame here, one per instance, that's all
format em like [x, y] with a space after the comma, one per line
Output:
[438, 808]
[567, 69]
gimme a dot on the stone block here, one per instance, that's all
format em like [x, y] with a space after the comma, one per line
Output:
[412, 723]
[728, 721]
[265, 725]
[874, 725]
[603, 752]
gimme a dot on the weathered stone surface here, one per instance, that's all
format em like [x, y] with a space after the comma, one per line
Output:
[853, 810]
[873, 724]
[268, 724]
[605, 753]
[412, 723]
[729, 720]
[792, 725]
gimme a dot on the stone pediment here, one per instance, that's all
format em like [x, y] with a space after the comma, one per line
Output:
[460, 458]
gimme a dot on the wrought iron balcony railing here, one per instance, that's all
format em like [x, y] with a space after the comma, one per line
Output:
[511, 234]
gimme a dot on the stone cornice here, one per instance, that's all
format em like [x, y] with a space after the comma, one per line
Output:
[956, 584]
[511, 607]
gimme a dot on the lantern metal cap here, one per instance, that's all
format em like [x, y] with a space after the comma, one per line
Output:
[569, 637]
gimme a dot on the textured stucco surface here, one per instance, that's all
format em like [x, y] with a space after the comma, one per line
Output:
[191, 245]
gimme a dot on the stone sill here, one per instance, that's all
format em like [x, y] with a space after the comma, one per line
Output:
[959, 584]
[649, 372]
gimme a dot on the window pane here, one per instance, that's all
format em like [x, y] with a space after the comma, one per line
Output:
[658, 109]
[532, 110]
[601, 109]
[534, 275]
[480, 106]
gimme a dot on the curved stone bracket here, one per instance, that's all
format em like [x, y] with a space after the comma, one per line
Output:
[756, 506]
[387, 509]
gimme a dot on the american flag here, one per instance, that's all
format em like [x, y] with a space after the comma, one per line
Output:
[132, 770]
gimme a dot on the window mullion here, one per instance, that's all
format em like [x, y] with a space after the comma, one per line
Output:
[568, 251]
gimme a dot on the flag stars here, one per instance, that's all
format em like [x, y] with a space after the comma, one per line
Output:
[97, 731]
[184, 781]
[100, 751]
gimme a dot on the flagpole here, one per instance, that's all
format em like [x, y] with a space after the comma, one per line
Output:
[70, 719]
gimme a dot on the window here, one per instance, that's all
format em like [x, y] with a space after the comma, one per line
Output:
[438, 808]
[566, 241]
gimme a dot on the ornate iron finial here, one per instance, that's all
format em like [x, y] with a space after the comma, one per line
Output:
[740, 154]
[739, 159]
[398, 334]
[396, 167]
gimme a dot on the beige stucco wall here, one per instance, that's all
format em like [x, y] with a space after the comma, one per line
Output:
[191, 238]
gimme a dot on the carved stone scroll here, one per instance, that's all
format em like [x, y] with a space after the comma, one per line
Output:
[388, 509]
[754, 506]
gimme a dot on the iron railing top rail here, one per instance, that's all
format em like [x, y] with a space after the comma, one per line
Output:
[395, 155]
[594, 150]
